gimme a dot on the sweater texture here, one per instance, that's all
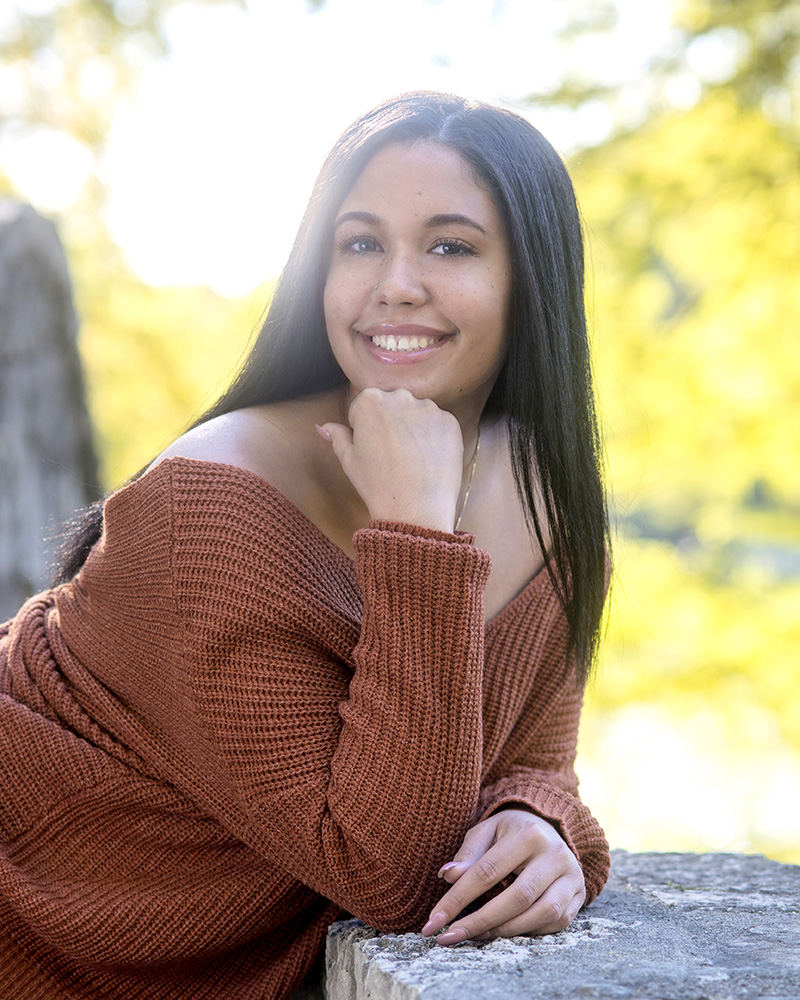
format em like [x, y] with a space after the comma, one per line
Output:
[224, 734]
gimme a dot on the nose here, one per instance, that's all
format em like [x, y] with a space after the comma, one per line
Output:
[400, 281]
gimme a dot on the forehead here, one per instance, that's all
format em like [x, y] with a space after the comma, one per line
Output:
[421, 178]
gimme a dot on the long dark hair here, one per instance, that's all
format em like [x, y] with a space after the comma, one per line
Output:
[545, 387]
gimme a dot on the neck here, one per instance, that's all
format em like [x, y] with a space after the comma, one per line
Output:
[470, 473]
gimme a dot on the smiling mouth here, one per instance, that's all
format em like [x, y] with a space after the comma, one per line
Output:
[388, 342]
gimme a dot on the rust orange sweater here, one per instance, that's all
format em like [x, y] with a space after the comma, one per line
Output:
[225, 733]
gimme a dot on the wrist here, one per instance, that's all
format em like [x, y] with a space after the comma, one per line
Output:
[435, 518]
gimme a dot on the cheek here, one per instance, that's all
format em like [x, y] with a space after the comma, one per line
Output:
[503, 308]
[340, 316]
[329, 296]
[496, 303]
[339, 301]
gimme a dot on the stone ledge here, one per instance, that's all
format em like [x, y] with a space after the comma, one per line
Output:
[667, 927]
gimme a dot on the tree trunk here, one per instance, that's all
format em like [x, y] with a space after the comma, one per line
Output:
[48, 467]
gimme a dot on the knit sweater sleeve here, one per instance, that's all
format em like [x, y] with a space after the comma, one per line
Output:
[535, 765]
[349, 758]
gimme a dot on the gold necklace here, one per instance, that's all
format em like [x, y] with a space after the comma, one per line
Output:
[469, 481]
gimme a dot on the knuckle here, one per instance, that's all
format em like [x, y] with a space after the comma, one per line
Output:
[404, 398]
[572, 868]
[562, 854]
[554, 912]
[523, 893]
[476, 832]
[537, 839]
[471, 836]
[535, 833]
[369, 398]
[487, 872]
[474, 837]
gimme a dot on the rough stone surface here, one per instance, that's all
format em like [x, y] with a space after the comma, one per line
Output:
[667, 927]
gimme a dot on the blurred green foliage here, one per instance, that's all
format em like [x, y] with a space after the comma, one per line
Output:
[65, 64]
[694, 228]
[694, 234]
[155, 358]
[748, 48]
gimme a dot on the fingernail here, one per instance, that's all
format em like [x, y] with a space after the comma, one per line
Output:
[453, 936]
[446, 868]
[436, 922]
[322, 432]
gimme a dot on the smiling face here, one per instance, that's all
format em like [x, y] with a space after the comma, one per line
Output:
[418, 288]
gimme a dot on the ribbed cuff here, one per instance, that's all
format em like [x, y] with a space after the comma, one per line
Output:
[418, 531]
[579, 829]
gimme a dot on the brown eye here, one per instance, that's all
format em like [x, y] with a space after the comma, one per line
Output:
[453, 248]
[358, 245]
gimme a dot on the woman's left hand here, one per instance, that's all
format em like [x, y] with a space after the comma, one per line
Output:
[544, 898]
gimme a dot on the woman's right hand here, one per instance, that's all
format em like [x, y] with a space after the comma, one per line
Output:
[403, 455]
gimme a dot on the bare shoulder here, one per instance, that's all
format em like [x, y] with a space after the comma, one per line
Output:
[273, 441]
[226, 439]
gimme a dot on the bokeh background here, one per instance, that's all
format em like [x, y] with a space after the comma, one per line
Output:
[175, 143]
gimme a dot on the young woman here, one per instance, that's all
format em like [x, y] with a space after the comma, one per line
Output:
[326, 654]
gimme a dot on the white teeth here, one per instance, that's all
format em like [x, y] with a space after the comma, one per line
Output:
[390, 343]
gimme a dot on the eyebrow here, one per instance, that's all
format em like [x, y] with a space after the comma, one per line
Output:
[454, 219]
[443, 219]
[367, 217]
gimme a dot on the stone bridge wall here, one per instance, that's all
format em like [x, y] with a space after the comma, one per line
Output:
[667, 927]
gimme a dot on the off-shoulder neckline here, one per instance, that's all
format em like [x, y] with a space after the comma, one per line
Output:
[522, 597]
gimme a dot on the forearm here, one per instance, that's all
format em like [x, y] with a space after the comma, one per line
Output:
[362, 787]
